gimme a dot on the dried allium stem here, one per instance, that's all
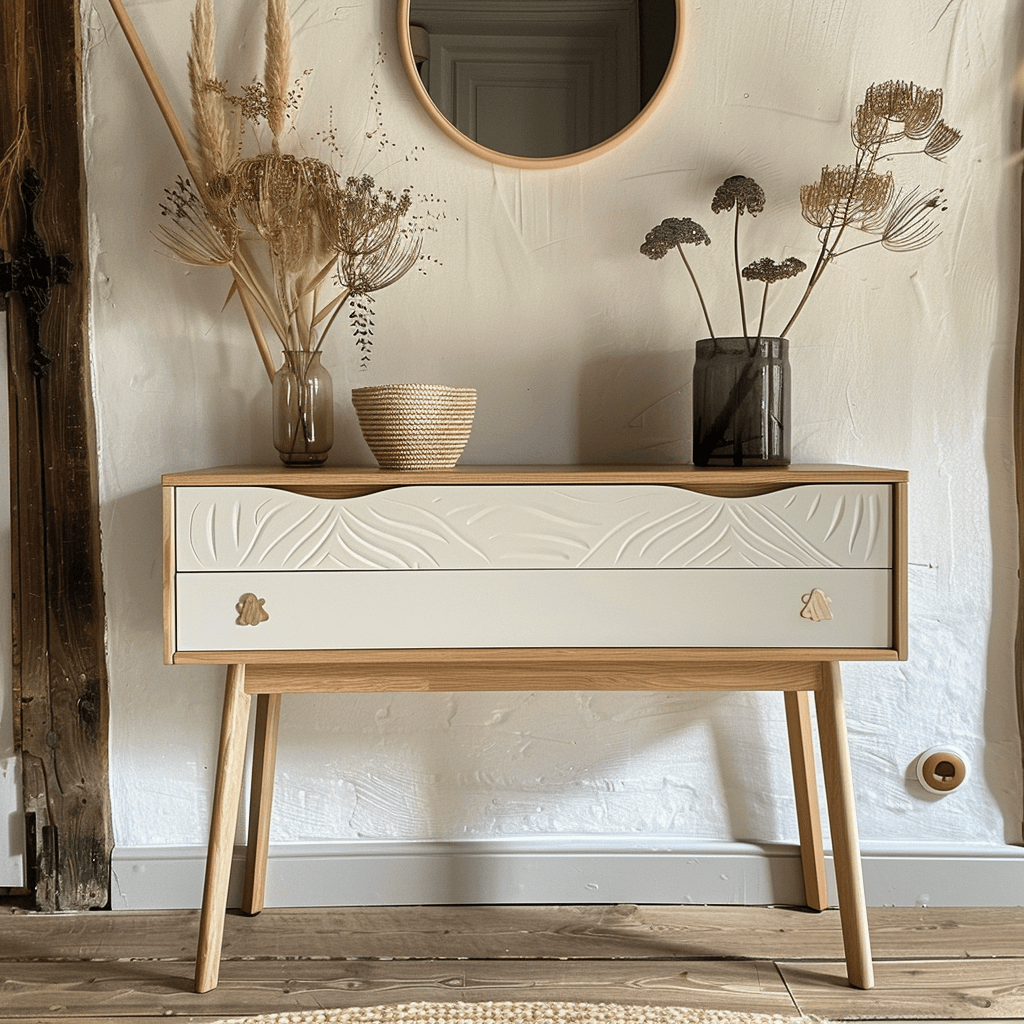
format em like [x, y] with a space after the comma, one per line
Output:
[736, 263]
[675, 232]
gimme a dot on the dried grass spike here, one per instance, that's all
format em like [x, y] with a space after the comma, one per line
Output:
[213, 138]
[277, 67]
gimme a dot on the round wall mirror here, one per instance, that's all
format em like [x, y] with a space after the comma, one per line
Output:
[539, 83]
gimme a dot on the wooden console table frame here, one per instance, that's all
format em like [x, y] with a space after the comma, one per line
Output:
[795, 672]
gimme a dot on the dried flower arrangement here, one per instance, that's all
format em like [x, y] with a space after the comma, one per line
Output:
[856, 196]
[298, 239]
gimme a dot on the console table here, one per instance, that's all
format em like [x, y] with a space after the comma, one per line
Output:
[535, 578]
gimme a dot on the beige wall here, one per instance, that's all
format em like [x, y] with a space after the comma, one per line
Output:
[581, 350]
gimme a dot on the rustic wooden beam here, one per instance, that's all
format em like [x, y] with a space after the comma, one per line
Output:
[1018, 458]
[60, 675]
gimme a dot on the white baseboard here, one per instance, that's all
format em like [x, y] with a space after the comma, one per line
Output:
[568, 870]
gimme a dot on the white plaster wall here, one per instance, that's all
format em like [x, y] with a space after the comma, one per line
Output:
[581, 350]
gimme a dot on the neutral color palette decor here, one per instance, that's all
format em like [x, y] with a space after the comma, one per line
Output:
[520, 578]
[544, 77]
[519, 1013]
[415, 426]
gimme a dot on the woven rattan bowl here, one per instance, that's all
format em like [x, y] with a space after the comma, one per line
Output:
[415, 426]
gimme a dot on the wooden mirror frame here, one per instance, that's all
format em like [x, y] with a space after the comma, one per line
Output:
[526, 162]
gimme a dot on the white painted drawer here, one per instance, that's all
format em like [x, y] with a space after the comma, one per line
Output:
[533, 527]
[534, 608]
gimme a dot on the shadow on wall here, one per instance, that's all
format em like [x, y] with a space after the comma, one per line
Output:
[1001, 755]
[446, 768]
[635, 408]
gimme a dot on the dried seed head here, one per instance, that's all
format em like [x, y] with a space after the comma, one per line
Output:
[869, 130]
[277, 193]
[371, 271]
[846, 195]
[365, 225]
[671, 232]
[767, 270]
[910, 225]
[942, 140]
[904, 102]
[901, 110]
[740, 191]
[363, 217]
[190, 233]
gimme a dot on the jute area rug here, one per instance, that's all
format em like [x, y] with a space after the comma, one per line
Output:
[520, 1013]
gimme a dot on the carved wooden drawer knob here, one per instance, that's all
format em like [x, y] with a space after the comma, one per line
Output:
[816, 606]
[250, 610]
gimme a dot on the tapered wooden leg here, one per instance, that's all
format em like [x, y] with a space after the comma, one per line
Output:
[264, 758]
[226, 796]
[835, 757]
[805, 784]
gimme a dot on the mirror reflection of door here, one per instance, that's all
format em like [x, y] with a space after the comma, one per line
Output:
[541, 78]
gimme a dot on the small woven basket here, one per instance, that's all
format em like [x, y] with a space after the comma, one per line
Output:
[415, 426]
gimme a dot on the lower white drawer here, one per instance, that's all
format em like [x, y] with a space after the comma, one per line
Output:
[533, 608]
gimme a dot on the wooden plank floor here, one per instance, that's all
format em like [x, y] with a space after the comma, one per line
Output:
[134, 967]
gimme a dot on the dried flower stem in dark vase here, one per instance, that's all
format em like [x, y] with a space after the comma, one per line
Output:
[858, 196]
[745, 195]
[674, 233]
[741, 402]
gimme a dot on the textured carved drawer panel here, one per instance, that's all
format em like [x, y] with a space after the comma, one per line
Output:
[533, 527]
[254, 611]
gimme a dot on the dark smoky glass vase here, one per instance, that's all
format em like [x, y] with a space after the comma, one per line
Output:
[741, 402]
[303, 410]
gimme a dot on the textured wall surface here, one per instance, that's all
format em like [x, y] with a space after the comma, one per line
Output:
[581, 350]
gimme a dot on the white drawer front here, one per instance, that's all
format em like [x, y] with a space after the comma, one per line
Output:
[542, 527]
[532, 608]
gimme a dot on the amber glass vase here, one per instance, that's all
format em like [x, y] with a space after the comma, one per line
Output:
[303, 410]
[741, 402]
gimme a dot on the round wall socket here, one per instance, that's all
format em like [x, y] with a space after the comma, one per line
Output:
[941, 769]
